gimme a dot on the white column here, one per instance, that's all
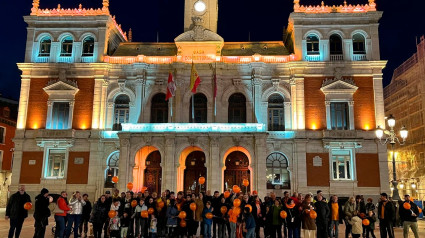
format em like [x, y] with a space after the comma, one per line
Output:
[300, 102]
[54, 51]
[71, 114]
[102, 113]
[257, 90]
[287, 112]
[383, 168]
[110, 113]
[125, 173]
[49, 115]
[264, 113]
[214, 174]
[328, 115]
[300, 164]
[169, 168]
[294, 104]
[259, 166]
[17, 159]
[97, 102]
[348, 49]
[23, 101]
[378, 92]
[324, 49]
[351, 114]
[77, 52]
[139, 98]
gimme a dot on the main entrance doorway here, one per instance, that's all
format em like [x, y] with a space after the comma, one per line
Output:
[195, 168]
[153, 172]
[237, 169]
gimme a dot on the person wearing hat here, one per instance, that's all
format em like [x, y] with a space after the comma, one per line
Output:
[41, 213]
[386, 215]
[409, 217]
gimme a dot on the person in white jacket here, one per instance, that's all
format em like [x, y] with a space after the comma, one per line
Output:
[74, 216]
[357, 226]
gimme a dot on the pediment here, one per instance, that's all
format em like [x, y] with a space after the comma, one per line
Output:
[200, 34]
[63, 87]
[338, 86]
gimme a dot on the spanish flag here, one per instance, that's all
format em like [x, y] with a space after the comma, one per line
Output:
[195, 80]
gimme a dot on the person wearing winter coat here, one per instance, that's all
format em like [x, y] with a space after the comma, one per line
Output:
[189, 217]
[62, 209]
[336, 216]
[141, 222]
[172, 213]
[222, 219]
[207, 221]
[41, 213]
[357, 227]
[15, 211]
[74, 217]
[371, 227]
[198, 212]
[349, 211]
[259, 213]
[323, 212]
[273, 217]
[308, 223]
[386, 216]
[249, 223]
[99, 216]
[409, 217]
[86, 215]
[293, 219]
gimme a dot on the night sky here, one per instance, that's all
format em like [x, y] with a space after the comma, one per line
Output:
[402, 23]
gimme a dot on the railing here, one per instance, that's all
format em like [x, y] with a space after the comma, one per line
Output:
[42, 59]
[337, 57]
[359, 57]
[65, 59]
[87, 59]
[312, 58]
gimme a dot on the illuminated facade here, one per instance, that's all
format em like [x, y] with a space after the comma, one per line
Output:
[295, 115]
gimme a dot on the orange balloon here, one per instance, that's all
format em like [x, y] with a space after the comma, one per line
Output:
[420, 210]
[209, 215]
[250, 207]
[112, 213]
[245, 182]
[144, 214]
[143, 189]
[236, 202]
[230, 212]
[236, 211]
[115, 179]
[236, 189]
[283, 214]
[362, 215]
[151, 210]
[179, 206]
[406, 206]
[161, 204]
[133, 203]
[193, 206]
[201, 180]
[226, 194]
[130, 186]
[254, 192]
[223, 209]
[182, 215]
[27, 206]
[366, 222]
[313, 214]
[183, 223]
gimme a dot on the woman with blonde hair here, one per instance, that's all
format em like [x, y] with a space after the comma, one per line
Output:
[308, 223]
[349, 212]
[74, 217]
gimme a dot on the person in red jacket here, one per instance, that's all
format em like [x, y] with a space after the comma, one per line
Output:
[61, 210]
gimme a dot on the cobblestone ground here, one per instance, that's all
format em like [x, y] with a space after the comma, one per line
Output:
[28, 228]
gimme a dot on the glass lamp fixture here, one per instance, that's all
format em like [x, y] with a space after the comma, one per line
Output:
[403, 133]
[391, 121]
[401, 186]
[379, 132]
[413, 185]
[200, 6]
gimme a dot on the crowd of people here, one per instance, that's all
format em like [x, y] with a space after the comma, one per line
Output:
[219, 215]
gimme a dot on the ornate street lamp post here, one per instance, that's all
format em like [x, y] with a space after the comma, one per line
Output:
[392, 139]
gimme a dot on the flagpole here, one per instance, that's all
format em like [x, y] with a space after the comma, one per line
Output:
[193, 108]
[215, 96]
[171, 108]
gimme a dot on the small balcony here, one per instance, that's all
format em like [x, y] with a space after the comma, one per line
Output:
[42, 59]
[87, 59]
[65, 59]
[359, 57]
[337, 57]
[313, 57]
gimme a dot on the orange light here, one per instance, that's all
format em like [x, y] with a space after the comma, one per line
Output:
[366, 127]
[313, 126]
[83, 127]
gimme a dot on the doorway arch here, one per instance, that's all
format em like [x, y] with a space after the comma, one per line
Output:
[143, 155]
[195, 168]
[240, 171]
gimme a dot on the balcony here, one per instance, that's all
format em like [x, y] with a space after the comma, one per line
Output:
[337, 57]
[313, 58]
[42, 59]
[359, 57]
[87, 59]
[65, 59]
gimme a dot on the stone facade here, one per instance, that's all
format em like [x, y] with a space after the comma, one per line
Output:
[302, 138]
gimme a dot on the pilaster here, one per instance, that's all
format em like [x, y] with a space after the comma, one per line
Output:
[378, 92]
[97, 100]
[23, 101]
[216, 164]
[299, 81]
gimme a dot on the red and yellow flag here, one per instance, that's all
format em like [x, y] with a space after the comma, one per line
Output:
[171, 87]
[195, 80]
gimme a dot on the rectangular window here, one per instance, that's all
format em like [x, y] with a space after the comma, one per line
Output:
[60, 115]
[276, 119]
[339, 116]
[121, 115]
[55, 166]
[2, 135]
[341, 165]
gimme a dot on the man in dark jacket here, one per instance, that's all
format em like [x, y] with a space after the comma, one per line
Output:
[409, 217]
[41, 213]
[216, 200]
[86, 215]
[16, 212]
[386, 215]
[323, 212]
[336, 216]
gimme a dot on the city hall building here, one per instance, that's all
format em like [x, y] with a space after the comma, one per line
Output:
[291, 115]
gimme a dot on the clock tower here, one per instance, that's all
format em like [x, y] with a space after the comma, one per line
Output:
[205, 9]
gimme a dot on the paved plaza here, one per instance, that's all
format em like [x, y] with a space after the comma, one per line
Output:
[28, 228]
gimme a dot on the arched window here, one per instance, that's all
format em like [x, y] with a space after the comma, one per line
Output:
[276, 117]
[122, 110]
[200, 108]
[313, 45]
[359, 44]
[88, 46]
[277, 173]
[66, 48]
[45, 45]
[159, 109]
[237, 108]
[335, 43]
[112, 168]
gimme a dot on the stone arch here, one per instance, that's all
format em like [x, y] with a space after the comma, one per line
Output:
[87, 34]
[272, 90]
[336, 32]
[114, 93]
[313, 32]
[359, 31]
[233, 89]
[140, 165]
[181, 166]
[43, 34]
[65, 34]
[242, 149]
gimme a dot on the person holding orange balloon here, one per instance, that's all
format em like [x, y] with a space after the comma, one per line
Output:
[308, 223]
[293, 219]
[188, 207]
[141, 219]
[409, 213]
[207, 219]
[371, 218]
[16, 212]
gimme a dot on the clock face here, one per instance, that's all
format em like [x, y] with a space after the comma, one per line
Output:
[200, 6]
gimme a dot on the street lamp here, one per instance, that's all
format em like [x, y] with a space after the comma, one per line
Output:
[392, 139]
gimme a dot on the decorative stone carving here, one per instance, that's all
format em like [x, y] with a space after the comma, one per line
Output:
[198, 33]
[237, 82]
[192, 140]
[275, 83]
[121, 84]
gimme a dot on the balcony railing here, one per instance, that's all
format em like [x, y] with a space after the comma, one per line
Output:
[359, 57]
[42, 59]
[87, 59]
[65, 59]
[312, 58]
[338, 57]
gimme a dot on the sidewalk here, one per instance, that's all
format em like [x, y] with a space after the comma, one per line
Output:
[28, 228]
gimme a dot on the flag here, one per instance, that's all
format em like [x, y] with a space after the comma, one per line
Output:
[171, 87]
[195, 80]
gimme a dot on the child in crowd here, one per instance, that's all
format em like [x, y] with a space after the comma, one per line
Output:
[357, 226]
[114, 226]
[207, 221]
[125, 222]
[152, 228]
[371, 227]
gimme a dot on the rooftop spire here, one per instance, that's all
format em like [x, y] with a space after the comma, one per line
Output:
[130, 35]
[105, 4]
[35, 5]
[296, 4]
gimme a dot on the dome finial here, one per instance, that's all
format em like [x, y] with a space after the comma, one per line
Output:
[105, 7]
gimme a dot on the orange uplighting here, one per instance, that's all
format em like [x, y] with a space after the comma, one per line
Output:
[367, 127]
[83, 127]
[314, 126]
[35, 126]
[346, 8]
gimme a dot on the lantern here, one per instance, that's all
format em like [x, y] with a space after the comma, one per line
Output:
[236, 202]
[115, 179]
[366, 222]
[193, 206]
[406, 206]
[144, 214]
[209, 215]
[183, 223]
[245, 182]
[226, 194]
[27, 206]
[223, 210]
[236, 189]
[130, 186]
[283, 214]
[313, 214]
[151, 211]
[133, 203]
[201, 180]
[250, 207]
[112, 213]
[182, 215]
